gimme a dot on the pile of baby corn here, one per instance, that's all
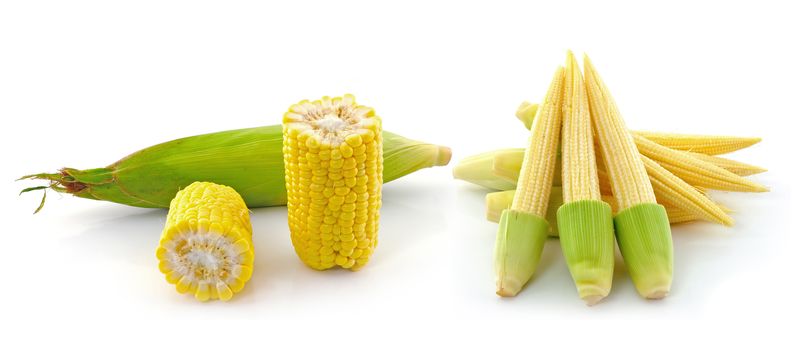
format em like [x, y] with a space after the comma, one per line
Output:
[614, 183]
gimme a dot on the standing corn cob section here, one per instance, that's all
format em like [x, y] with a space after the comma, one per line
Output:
[584, 221]
[522, 228]
[206, 247]
[332, 150]
[641, 225]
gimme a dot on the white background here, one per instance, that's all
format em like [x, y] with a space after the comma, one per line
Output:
[84, 83]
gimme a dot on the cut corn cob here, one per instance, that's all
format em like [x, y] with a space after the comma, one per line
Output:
[705, 144]
[695, 171]
[522, 228]
[249, 160]
[333, 160]
[584, 221]
[641, 225]
[206, 247]
[496, 202]
[733, 166]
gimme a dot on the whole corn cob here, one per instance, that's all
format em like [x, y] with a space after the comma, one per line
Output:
[496, 202]
[704, 144]
[206, 247]
[332, 152]
[641, 225]
[522, 228]
[584, 221]
[249, 160]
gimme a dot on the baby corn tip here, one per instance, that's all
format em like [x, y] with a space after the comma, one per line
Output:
[592, 296]
[508, 286]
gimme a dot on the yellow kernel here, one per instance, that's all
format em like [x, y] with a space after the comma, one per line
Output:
[353, 140]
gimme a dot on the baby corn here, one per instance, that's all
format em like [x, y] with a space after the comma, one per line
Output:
[206, 247]
[333, 159]
[522, 227]
[584, 221]
[694, 171]
[641, 225]
[704, 144]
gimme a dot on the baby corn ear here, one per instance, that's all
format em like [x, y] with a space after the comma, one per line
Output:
[705, 144]
[478, 169]
[497, 202]
[522, 228]
[584, 221]
[733, 166]
[526, 112]
[694, 171]
[642, 227]
[206, 247]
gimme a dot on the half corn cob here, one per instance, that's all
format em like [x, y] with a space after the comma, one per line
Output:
[206, 247]
[522, 228]
[333, 159]
[584, 221]
[249, 160]
[641, 225]
[496, 202]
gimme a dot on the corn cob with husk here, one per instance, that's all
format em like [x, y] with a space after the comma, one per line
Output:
[206, 247]
[333, 159]
[522, 227]
[641, 225]
[584, 221]
[496, 202]
[249, 160]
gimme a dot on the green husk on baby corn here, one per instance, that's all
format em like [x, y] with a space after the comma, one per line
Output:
[248, 160]
[522, 228]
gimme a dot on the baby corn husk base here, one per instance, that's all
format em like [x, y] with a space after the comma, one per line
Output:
[586, 233]
[333, 160]
[206, 247]
[517, 251]
[644, 237]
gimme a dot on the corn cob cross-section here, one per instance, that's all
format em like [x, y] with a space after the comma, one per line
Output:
[641, 225]
[584, 221]
[522, 228]
[206, 247]
[332, 152]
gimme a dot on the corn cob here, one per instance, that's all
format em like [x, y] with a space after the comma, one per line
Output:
[704, 144]
[695, 171]
[641, 225]
[333, 160]
[206, 247]
[522, 228]
[584, 221]
[496, 202]
[249, 160]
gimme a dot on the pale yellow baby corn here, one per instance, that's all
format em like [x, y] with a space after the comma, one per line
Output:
[694, 171]
[333, 160]
[671, 189]
[579, 173]
[641, 225]
[733, 166]
[705, 144]
[206, 247]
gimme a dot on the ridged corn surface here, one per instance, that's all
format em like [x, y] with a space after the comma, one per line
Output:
[536, 175]
[627, 176]
[579, 172]
[333, 163]
[206, 246]
[704, 144]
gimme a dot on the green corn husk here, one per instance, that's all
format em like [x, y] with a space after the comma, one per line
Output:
[249, 160]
